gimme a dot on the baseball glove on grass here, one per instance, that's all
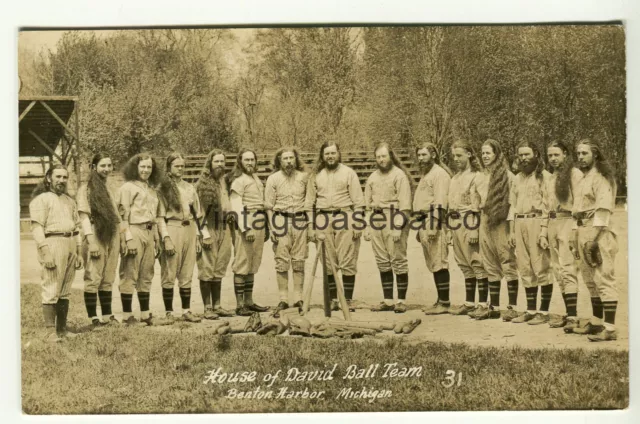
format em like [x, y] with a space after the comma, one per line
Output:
[592, 255]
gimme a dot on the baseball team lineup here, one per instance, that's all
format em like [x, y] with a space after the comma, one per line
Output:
[538, 228]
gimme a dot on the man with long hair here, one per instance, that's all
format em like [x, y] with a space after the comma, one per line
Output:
[139, 241]
[387, 194]
[55, 226]
[429, 209]
[335, 195]
[492, 187]
[284, 199]
[463, 221]
[213, 193]
[101, 247]
[594, 237]
[178, 212]
[247, 201]
[529, 212]
[560, 188]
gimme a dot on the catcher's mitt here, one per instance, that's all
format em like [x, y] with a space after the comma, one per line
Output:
[253, 324]
[299, 326]
[592, 255]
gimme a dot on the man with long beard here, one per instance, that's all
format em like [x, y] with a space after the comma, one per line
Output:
[247, 201]
[179, 204]
[429, 209]
[55, 227]
[100, 221]
[492, 187]
[213, 193]
[335, 193]
[529, 211]
[463, 220]
[594, 203]
[560, 188]
[284, 199]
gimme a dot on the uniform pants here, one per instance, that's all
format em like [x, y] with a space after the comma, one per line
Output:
[342, 250]
[213, 263]
[181, 264]
[100, 273]
[563, 263]
[497, 256]
[467, 255]
[247, 256]
[532, 260]
[56, 283]
[390, 255]
[292, 248]
[436, 252]
[137, 271]
[601, 280]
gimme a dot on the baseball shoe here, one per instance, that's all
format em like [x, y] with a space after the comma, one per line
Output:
[463, 309]
[112, 322]
[481, 309]
[382, 307]
[400, 308]
[509, 314]
[148, 320]
[131, 321]
[488, 313]
[168, 319]
[558, 322]
[257, 308]
[572, 324]
[540, 318]
[604, 336]
[437, 309]
[281, 306]
[209, 314]
[189, 317]
[97, 324]
[244, 311]
[221, 312]
[299, 305]
[526, 317]
[589, 329]
[335, 306]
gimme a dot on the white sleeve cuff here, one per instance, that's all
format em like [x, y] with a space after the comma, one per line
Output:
[601, 218]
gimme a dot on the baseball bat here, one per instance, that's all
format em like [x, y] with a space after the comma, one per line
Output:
[341, 298]
[364, 324]
[308, 288]
[325, 281]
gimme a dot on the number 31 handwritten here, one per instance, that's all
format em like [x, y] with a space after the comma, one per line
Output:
[450, 379]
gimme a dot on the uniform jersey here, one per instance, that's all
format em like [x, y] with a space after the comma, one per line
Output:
[528, 194]
[56, 213]
[595, 193]
[251, 190]
[554, 204]
[335, 189]
[386, 190]
[433, 190]
[460, 195]
[286, 193]
[137, 202]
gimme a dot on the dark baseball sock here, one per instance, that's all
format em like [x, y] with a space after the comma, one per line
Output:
[470, 289]
[402, 281]
[349, 285]
[512, 288]
[167, 298]
[386, 278]
[216, 291]
[62, 310]
[205, 292]
[248, 289]
[494, 293]
[238, 288]
[545, 297]
[609, 307]
[90, 302]
[127, 301]
[105, 302]
[185, 298]
[483, 290]
[143, 298]
[596, 305]
[333, 290]
[532, 298]
[442, 279]
[571, 303]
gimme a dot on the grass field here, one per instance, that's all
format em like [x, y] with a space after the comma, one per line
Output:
[143, 370]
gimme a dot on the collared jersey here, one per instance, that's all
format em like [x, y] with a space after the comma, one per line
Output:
[460, 194]
[335, 189]
[286, 193]
[390, 189]
[595, 193]
[481, 185]
[528, 194]
[56, 213]
[137, 202]
[433, 189]
[251, 190]
[188, 197]
[554, 204]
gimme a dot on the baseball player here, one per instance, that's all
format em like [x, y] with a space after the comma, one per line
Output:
[463, 220]
[100, 223]
[529, 235]
[594, 239]
[284, 200]
[560, 188]
[247, 201]
[335, 195]
[55, 227]
[139, 241]
[387, 194]
[492, 187]
[429, 210]
[216, 254]
[178, 211]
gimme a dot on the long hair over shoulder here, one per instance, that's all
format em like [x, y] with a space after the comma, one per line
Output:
[320, 163]
[394, 159]
[103, 214]
[435, 154]
[563, 178]
[536, 152]
[474, 163]
[44, 185]
[277, 159]
[496, 208]
[238, 170]
[168, 189]
[130, 169]
[208, 189]
[602, 163]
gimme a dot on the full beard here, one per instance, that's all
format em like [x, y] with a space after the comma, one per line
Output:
[333, 165]
[385, 168]
[217, 173]
[529, 166]
[248, 170]
[288, 169]
[425, 166]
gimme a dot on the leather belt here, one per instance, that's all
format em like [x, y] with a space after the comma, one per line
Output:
[333, 212]
[184, 223]
[290, 214]
[61, 234]
[584, 215]
[528, 215]
[559, 214]
[146, 225]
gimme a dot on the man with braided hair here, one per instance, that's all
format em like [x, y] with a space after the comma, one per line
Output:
[594, 239]
[100, 221]
[492, 187]
[529, 211]
[213, 193]
[284, 201]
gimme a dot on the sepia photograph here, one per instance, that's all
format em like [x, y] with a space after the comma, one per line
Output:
[327, 218]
